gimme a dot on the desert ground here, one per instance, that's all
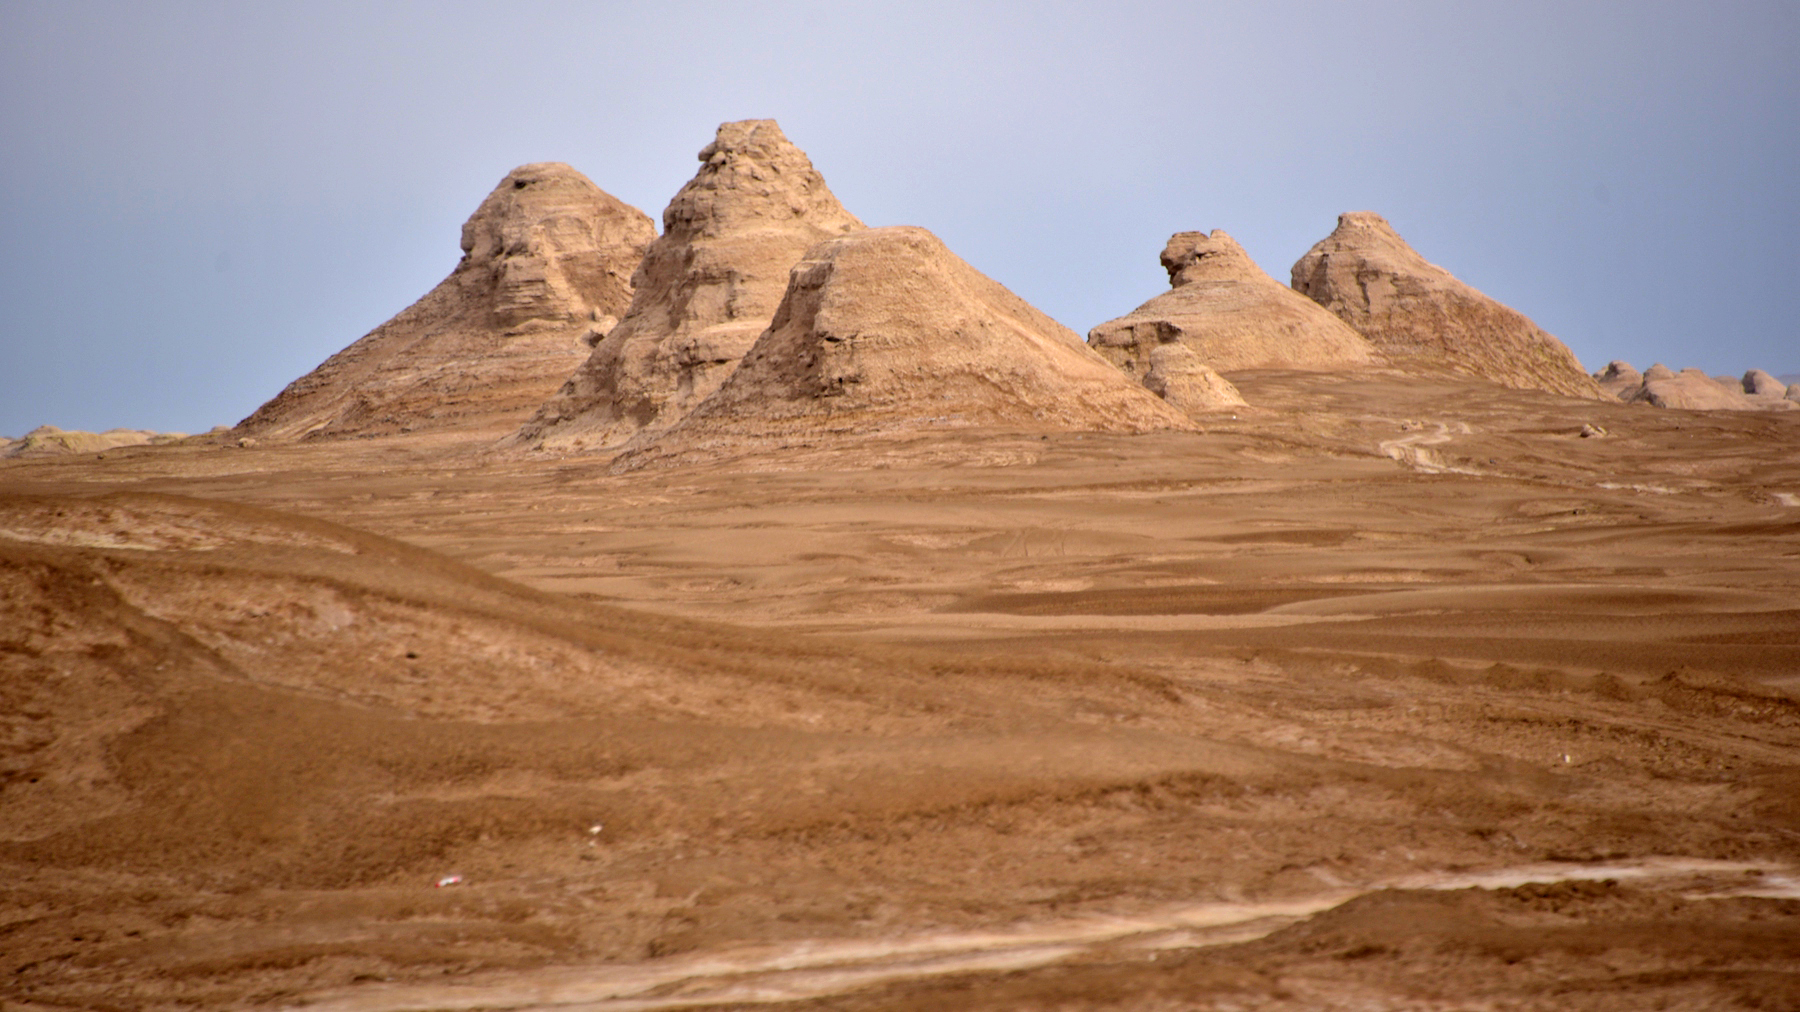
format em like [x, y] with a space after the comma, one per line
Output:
[1384, 692]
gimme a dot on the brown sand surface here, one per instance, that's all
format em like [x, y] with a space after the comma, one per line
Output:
[1383, 693]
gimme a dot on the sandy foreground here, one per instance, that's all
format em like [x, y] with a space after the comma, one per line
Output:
[1383, 694]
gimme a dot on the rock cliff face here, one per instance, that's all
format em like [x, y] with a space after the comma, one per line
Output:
[547, 262]
[1230, 314]
[707, 287]
[886, 330]
[1419, 315]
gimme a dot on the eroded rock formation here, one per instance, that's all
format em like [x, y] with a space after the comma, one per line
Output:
[546, 270]
[706, 288]
[1419, 315]
[887, 330]
[1230, 314]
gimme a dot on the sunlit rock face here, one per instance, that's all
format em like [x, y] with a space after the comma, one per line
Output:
[1229, 314]
[706, 288]
[546, 270]
[886, 330]
[1418, 315]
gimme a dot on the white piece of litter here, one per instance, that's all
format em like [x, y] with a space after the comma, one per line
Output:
[449, 880]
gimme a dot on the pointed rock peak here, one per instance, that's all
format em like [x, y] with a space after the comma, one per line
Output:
[887, 330]
[706, 288]
[1199, 256]
[548, 209]
[753, 176]
[547, 259]
[1420, 316]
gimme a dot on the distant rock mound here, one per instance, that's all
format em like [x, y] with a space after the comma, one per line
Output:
[1760, 383]
[1229, 314]
[1418, 314]
[1694, 390]
[546, 271]
[1619, 378]
[706, 288]
[886, 330]
[50, 441]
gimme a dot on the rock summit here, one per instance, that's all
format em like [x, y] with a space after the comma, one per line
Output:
[546, 268]
[706, 288]
[1418, 314]
[1229, 314]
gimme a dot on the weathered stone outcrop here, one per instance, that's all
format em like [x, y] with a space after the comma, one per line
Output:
[1619, 379]
[50, 441]
[886, 330]
[1761, 383]
[1420, 316]
[546, 270]
[1694, 390]
[707, 287]
[1229, 314]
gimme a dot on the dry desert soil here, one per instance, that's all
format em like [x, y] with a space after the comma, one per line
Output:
[1384, 693]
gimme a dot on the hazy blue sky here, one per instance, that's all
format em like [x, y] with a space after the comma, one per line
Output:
[204, 200]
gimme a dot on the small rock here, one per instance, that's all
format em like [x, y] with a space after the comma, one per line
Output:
[1591, 431]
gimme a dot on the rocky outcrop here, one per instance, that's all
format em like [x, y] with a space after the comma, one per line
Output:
[886, 330]
[707, 287]
[50, 441]
[1760, 383]
[546, 270]
[1229, 314]
[1619, 378]
[1694, 390]
[1178, 376]
[1420, 316]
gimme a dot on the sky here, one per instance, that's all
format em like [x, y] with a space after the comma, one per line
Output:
[201, 201]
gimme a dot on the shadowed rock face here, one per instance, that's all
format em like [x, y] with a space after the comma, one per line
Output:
[546, 267]
[1230, 314]
[886, 329]
[704, 291]
[1419, 315]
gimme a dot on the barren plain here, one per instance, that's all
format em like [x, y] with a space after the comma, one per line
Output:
[1387, 692]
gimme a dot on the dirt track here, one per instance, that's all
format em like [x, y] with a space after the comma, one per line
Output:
[960, 685]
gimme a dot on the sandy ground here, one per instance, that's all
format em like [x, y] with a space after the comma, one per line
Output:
[1380, 694]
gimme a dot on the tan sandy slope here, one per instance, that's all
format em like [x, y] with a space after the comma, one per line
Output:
[1420, 316]
[546, 268]
[706, 288]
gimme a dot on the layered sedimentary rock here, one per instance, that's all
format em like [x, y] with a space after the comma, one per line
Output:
[1230, 314]
[1418, 315]
[706, 288]
[546, 270]
[886, 330]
